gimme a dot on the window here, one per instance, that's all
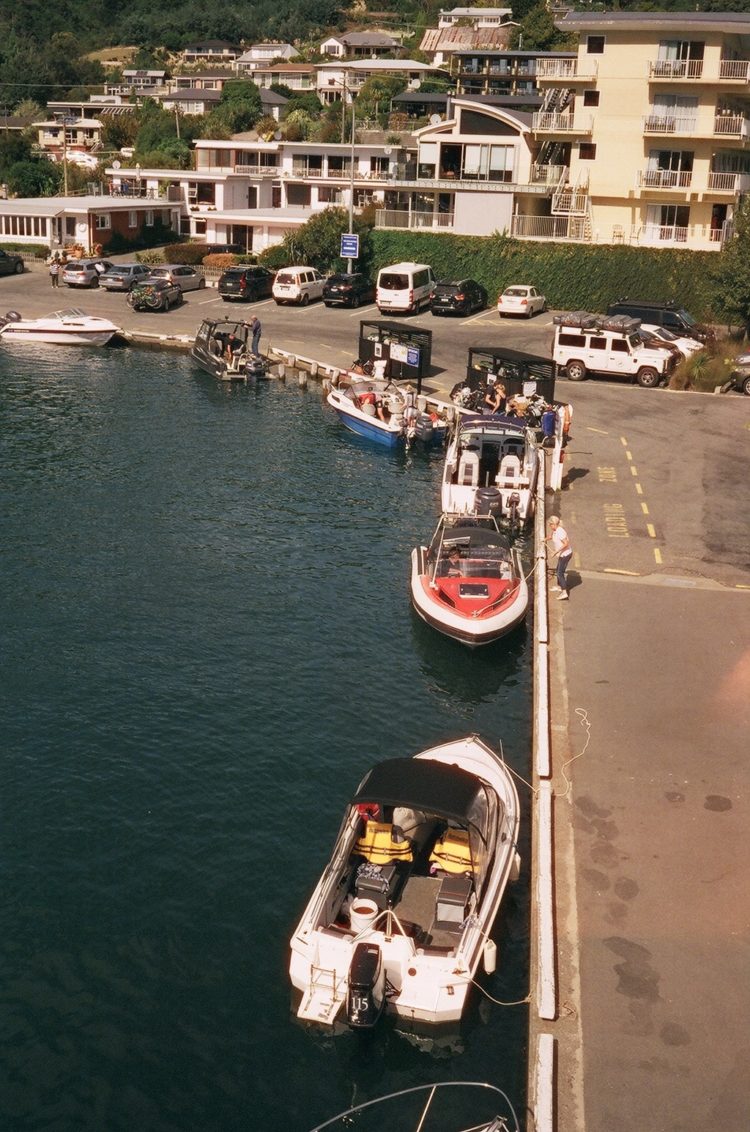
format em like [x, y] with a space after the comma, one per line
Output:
[619, 346]
[597, 343]
[132, 219]
[595, 45]
[150, 218]
[591, 98]
[102, 220]
[587, 151]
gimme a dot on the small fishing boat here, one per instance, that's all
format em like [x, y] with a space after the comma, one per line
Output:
[402, 913]
[222, 349]
[491, 468]
[469, 582]
[454, 1106]
[380, 410]
[71, 327]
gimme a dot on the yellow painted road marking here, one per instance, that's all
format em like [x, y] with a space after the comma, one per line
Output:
[601, 431]
[627, 573]
[651, 529]
[657, 555]
[639, 489]
[607, 475]
[628, 455]
[615, 520]
[623, 441]
[644, 508]
[633, 470]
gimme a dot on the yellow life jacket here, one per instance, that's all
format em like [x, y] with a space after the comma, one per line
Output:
[377, 846]
[452, 852]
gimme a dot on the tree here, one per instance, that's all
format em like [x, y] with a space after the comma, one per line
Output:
[33, 178]
[318, 242]
[730, 277]
[537, 31]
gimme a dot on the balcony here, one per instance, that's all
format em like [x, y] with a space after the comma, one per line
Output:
[664, 178]
[731, 126]
[679, 69]
[257, 170]
[734, 70]
[569, 229]
[548, 174]
[571, 70]
[668, 124]
[731, 183]
[549, 122]
[402, 218]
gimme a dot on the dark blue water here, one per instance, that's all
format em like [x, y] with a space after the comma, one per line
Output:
[206, 640]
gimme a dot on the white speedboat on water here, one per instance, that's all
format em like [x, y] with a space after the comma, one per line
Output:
[402, 914]
[491, 468]
[70, 327]
[469, 582]
[453, 1106]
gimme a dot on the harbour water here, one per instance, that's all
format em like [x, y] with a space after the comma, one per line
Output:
[207, 639]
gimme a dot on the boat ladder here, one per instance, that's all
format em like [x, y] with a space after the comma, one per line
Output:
[324, 997]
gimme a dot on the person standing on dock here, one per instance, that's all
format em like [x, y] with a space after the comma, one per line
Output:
[256, 328]
[564, 551]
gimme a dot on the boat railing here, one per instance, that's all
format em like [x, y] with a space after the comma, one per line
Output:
[487, 1115]
[390, 916]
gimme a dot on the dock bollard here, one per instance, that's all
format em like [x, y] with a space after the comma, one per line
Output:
[302, 379]
[335, 375]
[282, 371]
[313, 369]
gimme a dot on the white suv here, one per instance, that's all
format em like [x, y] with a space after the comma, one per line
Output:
[608, 344]
[297, 285]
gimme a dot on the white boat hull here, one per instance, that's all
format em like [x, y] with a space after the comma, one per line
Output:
[428, 982]
[63, 328]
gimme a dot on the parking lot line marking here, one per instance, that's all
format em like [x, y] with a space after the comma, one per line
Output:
[657, 555]
[478, 315]
[644, 508]
[638, 489]
[361, 310]
[206, 302]
[601, 431]
[627, 573]
[651, 529]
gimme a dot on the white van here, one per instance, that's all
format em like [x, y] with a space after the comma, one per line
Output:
[297, 285]
[405, 287]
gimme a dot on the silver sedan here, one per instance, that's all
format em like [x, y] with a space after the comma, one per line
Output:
[184, 277]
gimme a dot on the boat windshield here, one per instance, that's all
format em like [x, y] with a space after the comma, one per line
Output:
[69, 312]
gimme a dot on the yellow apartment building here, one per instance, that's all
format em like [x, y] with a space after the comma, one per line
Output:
[650, 128]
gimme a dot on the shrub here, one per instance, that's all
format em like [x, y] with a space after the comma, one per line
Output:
[191, 254]
[222, 260]
[275, 258]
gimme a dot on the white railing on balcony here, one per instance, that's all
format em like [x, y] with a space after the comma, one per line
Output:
[549, 228]
[668, 124]
[302, 169]
[665, 178]
[547, 174]
[561, 123]
[662, 234]
[731, 125]
[566, 69]
[401, 218]
[676, 69]
[729, 182]
[737, 69]
[257, 170]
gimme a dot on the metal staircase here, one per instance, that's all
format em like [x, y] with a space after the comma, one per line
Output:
[574, 202]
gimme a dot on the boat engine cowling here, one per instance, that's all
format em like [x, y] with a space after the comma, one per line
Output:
[424, 428]
[365, 987]
[489, 501]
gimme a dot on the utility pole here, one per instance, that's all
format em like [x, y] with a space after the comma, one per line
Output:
[349, 262]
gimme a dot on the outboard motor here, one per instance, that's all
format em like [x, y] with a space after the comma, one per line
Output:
[424, 428]
[256, 367]
[489, 501]
[365, 989]
[12, 316]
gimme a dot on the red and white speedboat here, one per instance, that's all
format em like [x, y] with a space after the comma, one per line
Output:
[469, 582]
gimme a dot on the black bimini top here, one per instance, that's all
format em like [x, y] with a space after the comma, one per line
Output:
[421, 784]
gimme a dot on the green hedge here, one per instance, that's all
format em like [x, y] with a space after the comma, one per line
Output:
[571, 276]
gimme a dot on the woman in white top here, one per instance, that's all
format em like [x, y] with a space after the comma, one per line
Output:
[562, 549]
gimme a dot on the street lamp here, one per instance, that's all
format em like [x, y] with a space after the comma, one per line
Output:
[66, 120]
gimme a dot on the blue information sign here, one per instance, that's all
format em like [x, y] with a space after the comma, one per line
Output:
[412, 356]
[349, 245]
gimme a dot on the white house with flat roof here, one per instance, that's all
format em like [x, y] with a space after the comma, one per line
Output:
[336, 80]
[474, 17]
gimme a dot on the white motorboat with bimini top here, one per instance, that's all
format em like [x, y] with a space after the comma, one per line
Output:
[71, 327]
[491, 468]
[402, 913]
[453, 1106]
[469, 582]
